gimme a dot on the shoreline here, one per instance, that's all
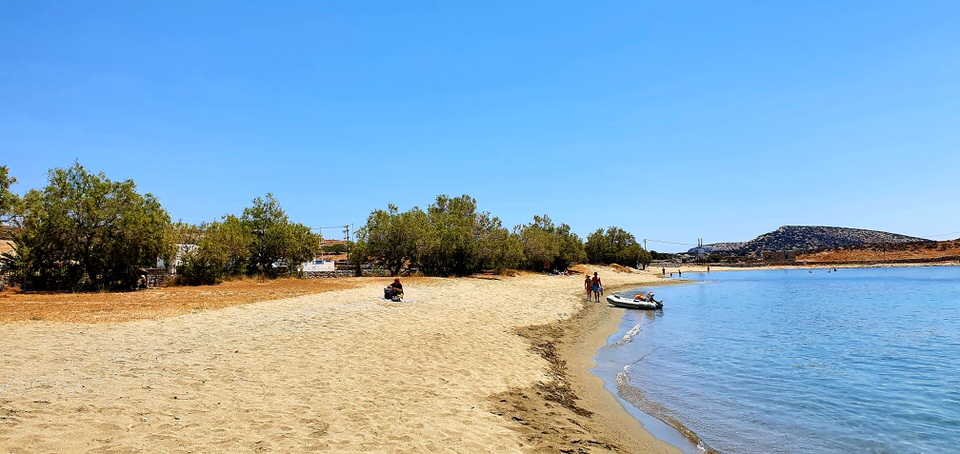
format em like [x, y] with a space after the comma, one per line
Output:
[569, 345]
[475, 364]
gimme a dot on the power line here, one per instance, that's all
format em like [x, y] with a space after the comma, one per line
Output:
[943, 234]
[345, 228]
[670, 242]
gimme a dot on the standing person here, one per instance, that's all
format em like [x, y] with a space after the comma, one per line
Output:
[588, 286]
[663, 271]
[597, 286]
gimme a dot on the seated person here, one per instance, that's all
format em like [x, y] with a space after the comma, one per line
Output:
[395, 289]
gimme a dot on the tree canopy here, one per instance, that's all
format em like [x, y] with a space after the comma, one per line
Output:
[84, 231]
[391, 238]
[8, 199]
[452, 237]
[615, 245]
[261, 240]
[547, 246]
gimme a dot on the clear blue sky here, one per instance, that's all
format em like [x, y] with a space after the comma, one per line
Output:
[673, 120]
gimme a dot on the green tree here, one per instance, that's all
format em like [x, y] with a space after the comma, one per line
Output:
[540, 245]
[9, 209]
[391, 238]
[633, 254]
[571, 248]
[337, 248]
[262, 239]
[614, 245]
[548, 246]
[451, 237]
[85, 231]
[498, 247]
[654, 255]
[213, 252]
[450, 245]
[9, 201]
[277, 244]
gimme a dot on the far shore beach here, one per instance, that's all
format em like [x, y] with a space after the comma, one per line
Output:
[478, 364]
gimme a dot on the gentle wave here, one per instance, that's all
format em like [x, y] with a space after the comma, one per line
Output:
[627, 338]
[636, 397]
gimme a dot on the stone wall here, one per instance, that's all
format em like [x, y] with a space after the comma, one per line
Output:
[346, 273]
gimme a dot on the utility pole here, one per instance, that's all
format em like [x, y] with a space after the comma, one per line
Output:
[346, 236]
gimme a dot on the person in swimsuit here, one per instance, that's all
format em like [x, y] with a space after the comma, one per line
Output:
[588, 286]
[597, 286]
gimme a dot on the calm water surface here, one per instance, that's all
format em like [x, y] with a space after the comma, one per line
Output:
[858, 360]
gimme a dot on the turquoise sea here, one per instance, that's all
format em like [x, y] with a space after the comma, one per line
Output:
[794, 361]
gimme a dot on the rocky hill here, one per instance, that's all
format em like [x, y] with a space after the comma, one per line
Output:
[721, 248]
[801, 238]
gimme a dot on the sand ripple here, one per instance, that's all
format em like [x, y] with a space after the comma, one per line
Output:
[341, 371]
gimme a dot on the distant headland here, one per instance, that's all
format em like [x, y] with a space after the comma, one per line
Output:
[828, 244]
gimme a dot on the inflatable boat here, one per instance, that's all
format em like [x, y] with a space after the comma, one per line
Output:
[645, 302]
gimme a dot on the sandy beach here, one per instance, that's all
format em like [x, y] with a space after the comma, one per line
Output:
[483, 364]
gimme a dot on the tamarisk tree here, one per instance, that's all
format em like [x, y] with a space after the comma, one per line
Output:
[615, 245]
[84, 231]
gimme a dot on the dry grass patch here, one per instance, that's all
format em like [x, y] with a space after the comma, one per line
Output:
[91, 307]
[621, 268]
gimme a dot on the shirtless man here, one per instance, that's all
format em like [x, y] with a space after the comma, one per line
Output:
[597, 286]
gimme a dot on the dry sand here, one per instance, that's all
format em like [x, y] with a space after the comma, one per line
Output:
[464, 365]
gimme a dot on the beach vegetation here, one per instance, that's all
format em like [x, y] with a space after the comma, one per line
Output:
[84, 231]
[654, 255]
[9, 201]
[212, 252]
[547, 246]
[336, 248]
[262, 241]
[615, 245]
[450, 238]
[277, 244]
[391, 238]
[452, 241]
[453, 238]
[500, 249]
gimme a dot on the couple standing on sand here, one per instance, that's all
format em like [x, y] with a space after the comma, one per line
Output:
[593, 286]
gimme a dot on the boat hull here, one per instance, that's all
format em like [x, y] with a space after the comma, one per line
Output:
[633, 303]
